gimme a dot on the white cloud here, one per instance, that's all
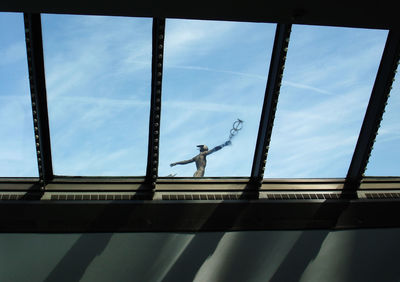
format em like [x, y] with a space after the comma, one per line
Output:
[184, 36]
[250, 75]
[307, 87]
[13, 53]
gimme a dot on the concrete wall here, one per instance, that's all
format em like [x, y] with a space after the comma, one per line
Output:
[351, 255]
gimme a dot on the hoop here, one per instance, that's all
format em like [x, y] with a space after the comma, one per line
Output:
[236, 127]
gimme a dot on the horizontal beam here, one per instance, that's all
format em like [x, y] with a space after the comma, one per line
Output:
[167, 184]
[113, 184]
[171, 216]
[351, 13]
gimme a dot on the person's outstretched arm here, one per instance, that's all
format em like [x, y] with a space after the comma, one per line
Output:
[183, 162]
[219, 147]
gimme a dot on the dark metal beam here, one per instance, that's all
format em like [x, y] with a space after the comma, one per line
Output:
[34, 47]
[367, 14]
[155, 104]
[191, 216]
[375, 110]
[276, 68]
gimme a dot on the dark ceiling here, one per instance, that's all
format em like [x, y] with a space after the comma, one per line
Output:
[369, 14]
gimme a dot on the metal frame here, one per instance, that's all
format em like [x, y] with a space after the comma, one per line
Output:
[340, 13]
[34, 48]
[155, 110]
[375, 110]
[277, 65]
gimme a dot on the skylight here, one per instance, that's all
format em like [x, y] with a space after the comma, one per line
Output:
[98, 72]
[214, 74]
[211, 80]
[17, 157]
[327, 83]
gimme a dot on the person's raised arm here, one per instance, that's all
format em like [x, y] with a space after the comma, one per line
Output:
[183, 162]
[219, 147]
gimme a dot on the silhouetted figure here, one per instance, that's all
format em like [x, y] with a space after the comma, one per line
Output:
[201, 159]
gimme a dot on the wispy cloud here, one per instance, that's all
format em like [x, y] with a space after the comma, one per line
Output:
[12, 53]
[98, 81]
[209, 107]
[306, 87]
[308, 141]
[251, 75]
[17, 145]
[315, 136]
[256, 76]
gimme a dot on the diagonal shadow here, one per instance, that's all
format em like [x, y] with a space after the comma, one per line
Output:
[251, 255]
[201, 247]
[89, 245]
[75, 262]
[307, 246]
[33, 193]
[302, 253]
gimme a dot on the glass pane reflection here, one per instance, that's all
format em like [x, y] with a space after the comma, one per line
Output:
[328, 79]
[98, 72]
[214, 73]
[17, 156]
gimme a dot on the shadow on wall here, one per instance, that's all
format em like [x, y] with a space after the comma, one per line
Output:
[237, 256]
[73, 265]
[315, 255]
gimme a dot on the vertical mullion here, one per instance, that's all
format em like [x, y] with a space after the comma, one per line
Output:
[155, 105]
[376, 107]
[275, 74]
[34, 48]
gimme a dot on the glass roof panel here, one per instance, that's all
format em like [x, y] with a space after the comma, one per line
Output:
[328, 79]
[214, 74]
[98, 72]
[17, 156]
[385, 156]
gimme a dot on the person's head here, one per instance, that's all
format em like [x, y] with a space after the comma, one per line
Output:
[202, 148]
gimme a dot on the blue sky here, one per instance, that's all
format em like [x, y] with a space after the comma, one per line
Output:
[17, 156]
[98, 73]
[317, 126]
[214, 73]
[98, 84]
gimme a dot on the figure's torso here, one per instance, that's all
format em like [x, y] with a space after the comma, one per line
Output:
[200, 160]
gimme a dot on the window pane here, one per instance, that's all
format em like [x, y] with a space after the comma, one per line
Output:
[214, 73]
[17, 157]
[98, 72]
[328, 79]
[385, 156]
